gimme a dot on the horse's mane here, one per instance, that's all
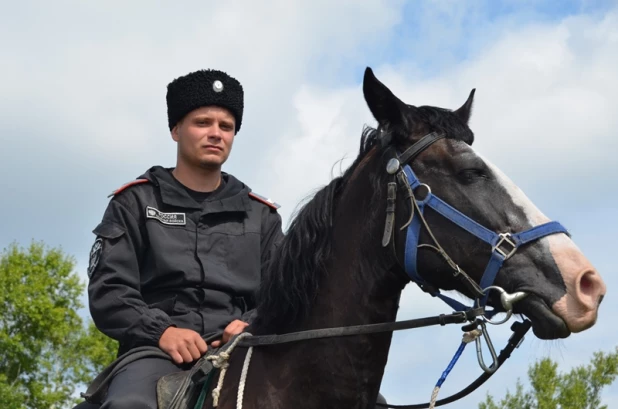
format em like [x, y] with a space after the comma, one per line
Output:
[291, 281]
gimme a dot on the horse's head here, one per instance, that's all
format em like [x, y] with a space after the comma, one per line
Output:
[563, 288]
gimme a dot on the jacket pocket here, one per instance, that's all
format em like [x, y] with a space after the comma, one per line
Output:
[107, 235]
[108, 230]
[223, 224]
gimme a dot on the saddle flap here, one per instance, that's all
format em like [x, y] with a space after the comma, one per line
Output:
[182, 390]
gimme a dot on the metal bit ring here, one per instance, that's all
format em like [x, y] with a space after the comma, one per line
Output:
[507, 300]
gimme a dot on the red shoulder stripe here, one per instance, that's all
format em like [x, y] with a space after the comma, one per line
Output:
[126, 185]
[264, 200]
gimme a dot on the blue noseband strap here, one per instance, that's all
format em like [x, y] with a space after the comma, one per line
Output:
[503, 245]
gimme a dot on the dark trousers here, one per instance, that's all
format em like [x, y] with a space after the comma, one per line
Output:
[135, 386]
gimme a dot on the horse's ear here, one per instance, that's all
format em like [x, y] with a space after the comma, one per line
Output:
[385, 107]
[465, 110]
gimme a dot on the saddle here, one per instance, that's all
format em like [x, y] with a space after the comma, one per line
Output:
[181, 390]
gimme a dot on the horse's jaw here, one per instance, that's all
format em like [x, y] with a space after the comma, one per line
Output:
[546, 324]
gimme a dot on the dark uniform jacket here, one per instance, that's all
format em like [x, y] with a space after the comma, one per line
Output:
[161, 258]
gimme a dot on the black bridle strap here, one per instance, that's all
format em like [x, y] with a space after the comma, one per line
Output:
[519, 331]
[425, 142]
[442, 319]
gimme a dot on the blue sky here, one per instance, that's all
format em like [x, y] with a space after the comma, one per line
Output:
[83, 111]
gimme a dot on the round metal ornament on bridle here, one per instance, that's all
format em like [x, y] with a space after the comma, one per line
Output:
[392, 166]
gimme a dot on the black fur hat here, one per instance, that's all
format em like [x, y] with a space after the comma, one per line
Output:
[201, 88]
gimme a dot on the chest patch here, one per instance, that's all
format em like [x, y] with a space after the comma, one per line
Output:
[172, 219]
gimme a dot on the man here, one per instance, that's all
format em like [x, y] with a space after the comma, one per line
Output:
[178, 254]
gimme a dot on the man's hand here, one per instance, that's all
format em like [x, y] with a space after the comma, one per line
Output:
[183, 345]
[234, 327]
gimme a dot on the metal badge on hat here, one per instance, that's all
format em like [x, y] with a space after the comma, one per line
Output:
[217, 86]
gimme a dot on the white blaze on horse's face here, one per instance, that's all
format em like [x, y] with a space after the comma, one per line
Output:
[585, 287]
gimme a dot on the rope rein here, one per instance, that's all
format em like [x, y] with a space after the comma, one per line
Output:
[243, 378]
[221, 361]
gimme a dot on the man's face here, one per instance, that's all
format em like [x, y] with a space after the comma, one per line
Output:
[205, 137]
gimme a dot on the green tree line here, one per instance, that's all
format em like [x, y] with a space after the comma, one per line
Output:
[579, 388]
[48, 350]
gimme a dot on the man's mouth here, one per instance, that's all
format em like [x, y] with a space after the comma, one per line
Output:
[212, 147]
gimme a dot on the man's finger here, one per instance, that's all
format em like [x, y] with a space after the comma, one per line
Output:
[226, 335]
[239, 324]
[234, 328]
[186, 355]
[176, 357]
[238, 328]
[216, 343]
[195, 353]
[201, 345]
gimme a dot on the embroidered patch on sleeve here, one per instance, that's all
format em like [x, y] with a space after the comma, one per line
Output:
[173, 219]
[95, 256]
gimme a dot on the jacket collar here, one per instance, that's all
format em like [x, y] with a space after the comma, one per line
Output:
[233, 198]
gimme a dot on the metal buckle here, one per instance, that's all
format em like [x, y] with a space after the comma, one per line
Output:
[505, 237]
[457, 271]
[463, 314]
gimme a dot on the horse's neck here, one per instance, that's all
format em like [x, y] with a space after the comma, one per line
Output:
[345, 371]
[357, 360]
[332, 372]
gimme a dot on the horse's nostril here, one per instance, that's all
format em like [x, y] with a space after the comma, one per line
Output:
[601, 297]
[586, 284]
[589, 289]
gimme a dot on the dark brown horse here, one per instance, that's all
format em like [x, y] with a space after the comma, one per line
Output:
[345, 261]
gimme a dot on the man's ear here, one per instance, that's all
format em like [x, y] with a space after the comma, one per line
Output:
[175, 131]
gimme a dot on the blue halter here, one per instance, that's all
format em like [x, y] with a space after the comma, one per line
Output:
[503, 245]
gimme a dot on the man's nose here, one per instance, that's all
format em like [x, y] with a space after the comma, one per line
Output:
[215, 132]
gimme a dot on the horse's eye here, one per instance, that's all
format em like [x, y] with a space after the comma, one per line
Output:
[472, 175]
